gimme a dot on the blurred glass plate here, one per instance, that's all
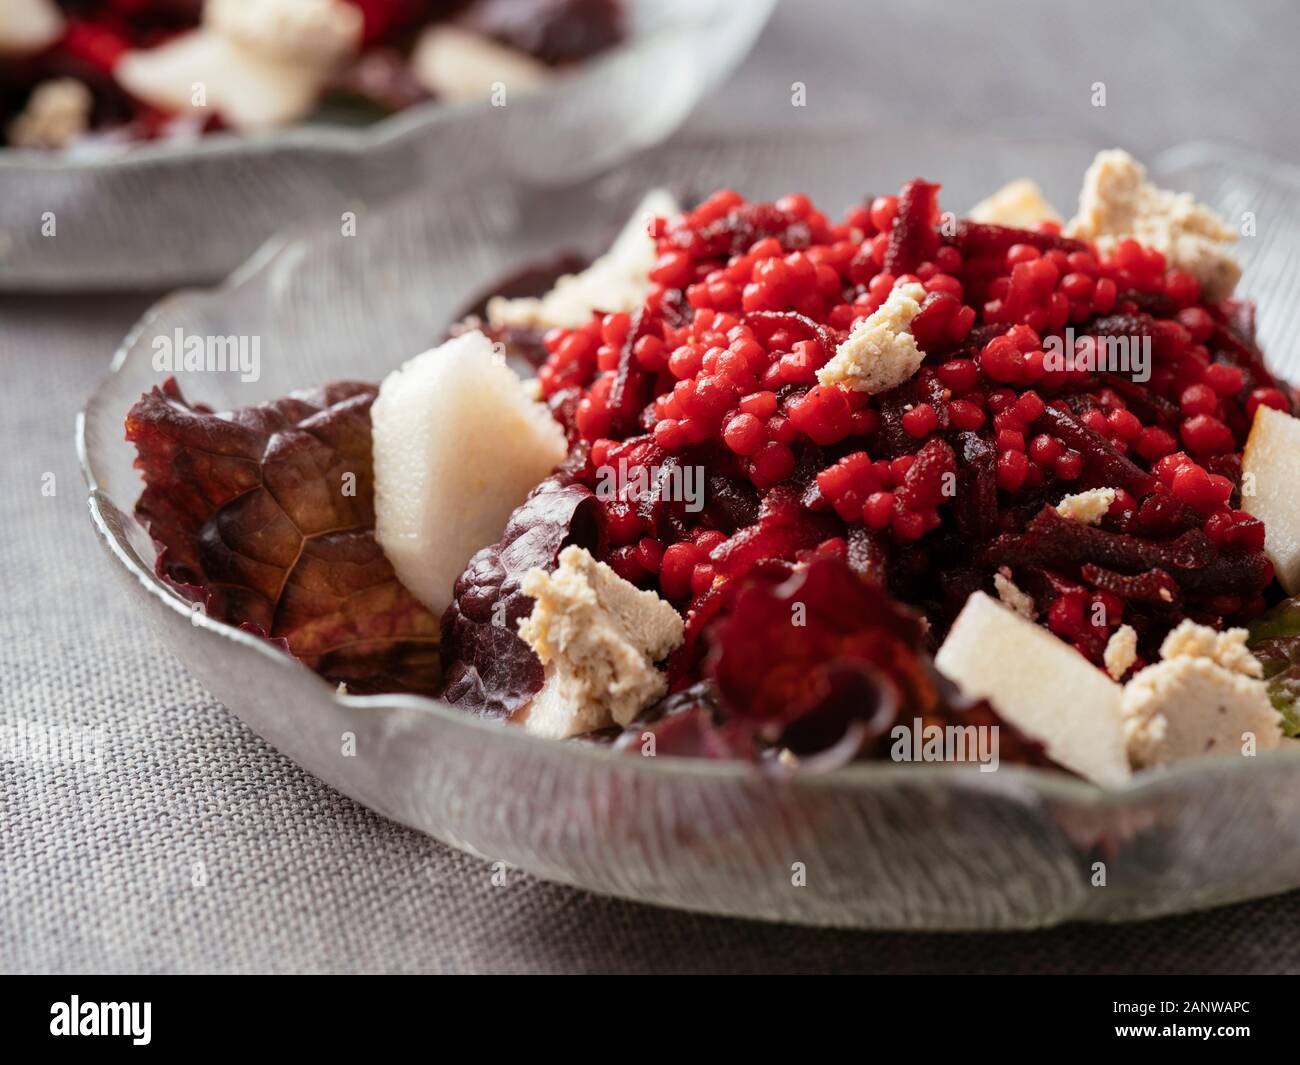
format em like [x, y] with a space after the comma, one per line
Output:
[158, 215]
[881, 845]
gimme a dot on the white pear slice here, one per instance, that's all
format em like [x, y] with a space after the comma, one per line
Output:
[1039, 684]
[457, 64]
[250, 92]
[1271, 489]
[458, 444]
[616, 282]
[28, 26]
[167, 76]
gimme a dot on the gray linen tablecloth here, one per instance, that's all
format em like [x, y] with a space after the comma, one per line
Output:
[97, 868]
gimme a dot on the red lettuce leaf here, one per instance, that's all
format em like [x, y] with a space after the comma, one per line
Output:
[265, 515]
[771, 647]
[490, 671]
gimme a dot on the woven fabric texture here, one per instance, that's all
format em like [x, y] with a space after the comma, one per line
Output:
[195, 847]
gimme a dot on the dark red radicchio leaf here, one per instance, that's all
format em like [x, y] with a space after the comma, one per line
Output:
[489, 670]
[792, 639]
[815, 659]
[265, 515]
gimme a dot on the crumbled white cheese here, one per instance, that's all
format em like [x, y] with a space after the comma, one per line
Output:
[880, 353]
[1227, 649]
[1121, 651]
[456, 64]
[1117, 202]
[29, 26]
[598, 637]
[617, 282]
[57, 113]
[1203, 697]
[1018, 203]
[1011, 595]
[313, 33]
[1087, 508]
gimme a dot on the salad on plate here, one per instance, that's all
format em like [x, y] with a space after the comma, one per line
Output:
[758, 484]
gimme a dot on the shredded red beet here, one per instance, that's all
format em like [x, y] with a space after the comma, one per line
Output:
[913, 239]
[980, 240]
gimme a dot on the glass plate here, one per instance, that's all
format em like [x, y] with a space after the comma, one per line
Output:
[880, 845]
[156, 215]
